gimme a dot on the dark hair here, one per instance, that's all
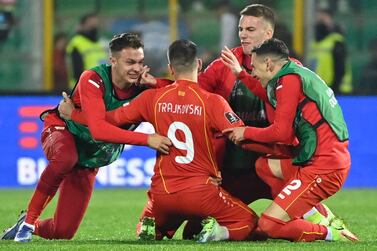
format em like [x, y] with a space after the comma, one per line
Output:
[260, 10]
[182, 54]
[272, 46]
[85, 18]
[125, 40]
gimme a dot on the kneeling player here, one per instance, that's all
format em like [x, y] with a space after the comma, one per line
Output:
[301, 99]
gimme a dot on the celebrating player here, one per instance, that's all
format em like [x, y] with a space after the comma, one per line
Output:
[75, 152]
[306, 108]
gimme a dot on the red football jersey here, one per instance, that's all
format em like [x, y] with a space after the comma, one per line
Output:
[189, 116]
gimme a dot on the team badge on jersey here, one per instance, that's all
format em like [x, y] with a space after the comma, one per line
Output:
[232, 117]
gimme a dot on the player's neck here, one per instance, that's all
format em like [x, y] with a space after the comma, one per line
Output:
[193, 77]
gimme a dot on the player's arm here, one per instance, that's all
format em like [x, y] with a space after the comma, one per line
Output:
[92, 104]
[67, 110]
[138, 110]
[223, 118]
[132, 113]
[78, 116]
[253, 84]
[287, 96]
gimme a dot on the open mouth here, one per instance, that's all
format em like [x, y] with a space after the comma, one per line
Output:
[134, 76]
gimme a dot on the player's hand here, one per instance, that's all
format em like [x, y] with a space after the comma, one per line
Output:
[230, 60]
[159, 143]
[146, 78]
[235, 134]
[66, 107]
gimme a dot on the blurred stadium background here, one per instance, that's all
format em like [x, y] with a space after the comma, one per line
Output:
[27, 86]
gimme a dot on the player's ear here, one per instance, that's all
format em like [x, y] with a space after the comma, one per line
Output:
[269, 64]
[200, 64]
[112, 59]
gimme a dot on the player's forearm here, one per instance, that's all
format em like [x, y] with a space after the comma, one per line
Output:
[273, 133]
[79, 117]
[104, 131]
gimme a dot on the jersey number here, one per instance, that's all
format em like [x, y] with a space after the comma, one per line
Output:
[187, 145]
[294, 185]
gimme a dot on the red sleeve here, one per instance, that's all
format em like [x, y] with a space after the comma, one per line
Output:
[221, 116]
[92, 104]
[160, 82]
[253, 85]
[79, 117]
[138, 110]
[208, 78]
[288, 94]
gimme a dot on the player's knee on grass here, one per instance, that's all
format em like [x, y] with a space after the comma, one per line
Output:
[270, 226]
[64, 233]
[239, 233]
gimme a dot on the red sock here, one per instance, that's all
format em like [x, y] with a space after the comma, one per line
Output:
[36, 205]
[294, 230]
[264, 172]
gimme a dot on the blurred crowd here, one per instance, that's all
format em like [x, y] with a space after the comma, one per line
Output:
[329, 53]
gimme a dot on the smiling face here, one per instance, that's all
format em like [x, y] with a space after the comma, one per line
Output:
[253, 31]
[127, 65]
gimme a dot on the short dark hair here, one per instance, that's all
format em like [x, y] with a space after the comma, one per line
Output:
[272, 46]
[182, 54]
[125, 40]
[260, 10]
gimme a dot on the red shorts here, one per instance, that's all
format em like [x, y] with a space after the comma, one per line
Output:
[306, 188]
[171, 210]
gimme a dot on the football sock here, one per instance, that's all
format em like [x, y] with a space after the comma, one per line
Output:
[294, 230]
[36, 205]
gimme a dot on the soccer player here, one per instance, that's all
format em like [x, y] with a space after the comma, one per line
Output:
[75, 152]
[306, 108]
[189, 116]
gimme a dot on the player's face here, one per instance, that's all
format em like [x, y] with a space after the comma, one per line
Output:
[261, 69]
[252, 32]
[128, 64]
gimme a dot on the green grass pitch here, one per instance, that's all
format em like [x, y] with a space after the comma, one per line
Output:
[110, 222]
